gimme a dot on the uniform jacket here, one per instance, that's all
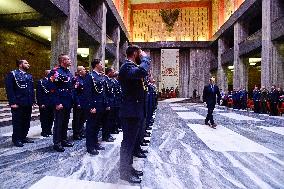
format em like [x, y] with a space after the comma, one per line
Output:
[98, 98]
[131, 78]
[44, 93]
[20, 88]
[62, 82]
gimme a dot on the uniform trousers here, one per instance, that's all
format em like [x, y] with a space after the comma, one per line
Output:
[21, 118]
[130, 128]
[60, 128]
[46, 119]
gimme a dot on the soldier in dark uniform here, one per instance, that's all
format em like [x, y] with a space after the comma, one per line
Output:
[132, 110]
[243, 99]
[209, 97]
[234, 97]
[98, 105]
[80, 110]
[117, 102]
[256, 99]
[263, 99]
[274, 100]
[20, 94]
[110, 114]
[63, 83]
[46, 105]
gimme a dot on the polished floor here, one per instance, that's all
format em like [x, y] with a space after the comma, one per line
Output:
[245, 151]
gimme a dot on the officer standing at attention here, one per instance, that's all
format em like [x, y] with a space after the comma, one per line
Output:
[20, 94]
[98, 106]
[62, 80]
[132, 109]
[209, 97]
[44, 100]
[80, 110]
[256, 94]
[117, 102]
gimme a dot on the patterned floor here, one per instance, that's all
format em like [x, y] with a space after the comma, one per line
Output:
[245, 151]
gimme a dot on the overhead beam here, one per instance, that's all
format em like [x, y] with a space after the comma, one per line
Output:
[27, 19]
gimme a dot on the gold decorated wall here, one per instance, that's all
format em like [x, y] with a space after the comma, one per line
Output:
[215, 16]
[193, 24]
[229, 9]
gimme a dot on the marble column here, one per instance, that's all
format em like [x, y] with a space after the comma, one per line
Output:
[240, 78]
[222, 80]
[272, 61]
[116, 39]
[64, 36]
[184, 62]
[199, 70]
[99, 12]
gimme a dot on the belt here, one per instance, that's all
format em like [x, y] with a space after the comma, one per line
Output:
[67, 90]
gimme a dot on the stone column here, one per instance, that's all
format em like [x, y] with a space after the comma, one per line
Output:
[240, 78]
[116, 39]
[64, 36]
[99, 12]
[272, 70]
[222, 80]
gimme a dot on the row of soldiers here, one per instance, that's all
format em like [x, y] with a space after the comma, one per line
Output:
[95, 98]
[264, 100]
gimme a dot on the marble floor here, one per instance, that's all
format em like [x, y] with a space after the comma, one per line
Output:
[245, 151]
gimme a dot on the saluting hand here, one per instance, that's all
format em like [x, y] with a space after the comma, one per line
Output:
[93, 111]
[14, 106]
[59, 107]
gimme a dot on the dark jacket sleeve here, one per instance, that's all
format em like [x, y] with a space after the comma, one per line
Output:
[138, 72]
[204, 94]
[10, 82]
[39, 93]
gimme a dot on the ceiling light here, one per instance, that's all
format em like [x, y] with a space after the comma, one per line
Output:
[14, 6]
[254, 60]
[41, 31]
[230, 67]
[84, 52]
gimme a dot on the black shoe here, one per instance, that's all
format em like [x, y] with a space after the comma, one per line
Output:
[146, 141]
[78, 137]
[140, 155]
[115, 132]
[67, 144]
[58, 148]
[131, 179]
[206, 123]
[214, 125]
[83, 136]
[27, 140]
[147, 134]
[93, 152]
[45, 135]
[144, 151]
[137, 173]
[108, 140]
[144, 144]
[99, 147]
[49, 133]
[18, 144]
[148, 128]
[112, 138]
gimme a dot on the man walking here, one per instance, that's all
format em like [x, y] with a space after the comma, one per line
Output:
[209, 97]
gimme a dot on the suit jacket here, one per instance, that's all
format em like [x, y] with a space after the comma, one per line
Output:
[131, 78]
[209, 95]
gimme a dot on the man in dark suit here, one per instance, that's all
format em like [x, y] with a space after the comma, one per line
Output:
[132, 109]
[20, 94]
[45, 103]
[209, 97]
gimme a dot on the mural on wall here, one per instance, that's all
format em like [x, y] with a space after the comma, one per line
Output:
[192, 24]
[169, 68]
